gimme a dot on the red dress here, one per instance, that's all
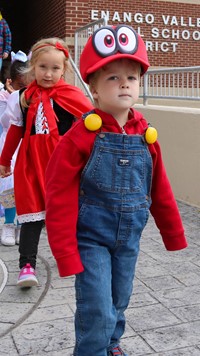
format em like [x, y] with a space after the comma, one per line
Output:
[40, 134]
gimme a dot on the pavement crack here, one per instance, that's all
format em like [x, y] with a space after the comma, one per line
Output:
[35, 306]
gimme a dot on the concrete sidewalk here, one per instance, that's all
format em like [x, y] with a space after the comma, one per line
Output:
[163, 318]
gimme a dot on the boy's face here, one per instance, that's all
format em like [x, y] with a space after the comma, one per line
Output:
[116, 88]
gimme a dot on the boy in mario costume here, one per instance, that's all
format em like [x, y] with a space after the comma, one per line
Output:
[102, 180]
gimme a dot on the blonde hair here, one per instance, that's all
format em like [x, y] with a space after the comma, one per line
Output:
[42, 46]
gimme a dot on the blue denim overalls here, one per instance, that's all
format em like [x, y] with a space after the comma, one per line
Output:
[114, 209]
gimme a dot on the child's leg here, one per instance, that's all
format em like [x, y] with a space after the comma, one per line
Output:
[28, 248]
[10, 215]
[103, 291]
[123, 272]
[8, 230]
[17, 232]
[29, 240]
[95, 316]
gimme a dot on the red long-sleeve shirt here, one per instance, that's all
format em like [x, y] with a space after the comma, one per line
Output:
[62, 191]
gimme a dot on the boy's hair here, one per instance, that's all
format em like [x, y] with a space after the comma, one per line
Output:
[92, 78]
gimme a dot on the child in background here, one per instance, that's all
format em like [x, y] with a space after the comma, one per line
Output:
[5, 39]
[102, 179]
[17, 80]
[40, 115]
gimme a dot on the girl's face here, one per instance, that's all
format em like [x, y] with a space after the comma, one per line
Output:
[116, 88]
[19, 82]
[49, 67]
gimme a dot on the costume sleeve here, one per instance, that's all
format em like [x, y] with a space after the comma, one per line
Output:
[13, 138]
[13, 115]
[3, 104]
[164, 207]
[4, 95]
[4, 119]
[7, 37]
[62, 191]
[14, 110]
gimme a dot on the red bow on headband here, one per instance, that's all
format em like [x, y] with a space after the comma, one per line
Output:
[61, 48]
[57, 45]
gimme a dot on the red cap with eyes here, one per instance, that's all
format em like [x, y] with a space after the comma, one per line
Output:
[108, 44]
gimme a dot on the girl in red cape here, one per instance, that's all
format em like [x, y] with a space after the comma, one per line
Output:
[39, 116]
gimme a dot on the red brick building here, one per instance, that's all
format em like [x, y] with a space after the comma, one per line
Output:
[170, 28]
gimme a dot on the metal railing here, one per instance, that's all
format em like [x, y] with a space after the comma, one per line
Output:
[182, 83]
[78, 79]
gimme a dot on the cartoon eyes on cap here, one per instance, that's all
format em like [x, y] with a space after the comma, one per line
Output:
[108, 41]
[104, 41]
[127, 40]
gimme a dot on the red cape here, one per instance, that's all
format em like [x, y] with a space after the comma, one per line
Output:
[65, 95]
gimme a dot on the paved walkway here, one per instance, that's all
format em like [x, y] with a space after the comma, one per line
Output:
[163, 318]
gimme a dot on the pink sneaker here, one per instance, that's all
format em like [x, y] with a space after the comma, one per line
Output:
[27, 277]
[117, 351]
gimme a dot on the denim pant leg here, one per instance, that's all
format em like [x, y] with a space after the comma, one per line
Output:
[124, 262]
[95, 316]
[123, 271]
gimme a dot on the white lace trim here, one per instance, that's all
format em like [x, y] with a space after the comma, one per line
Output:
[41, 122]
[31, 217]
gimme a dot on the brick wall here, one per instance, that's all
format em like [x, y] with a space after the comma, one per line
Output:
[186, 53]
[61, 18]
[46, 19]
